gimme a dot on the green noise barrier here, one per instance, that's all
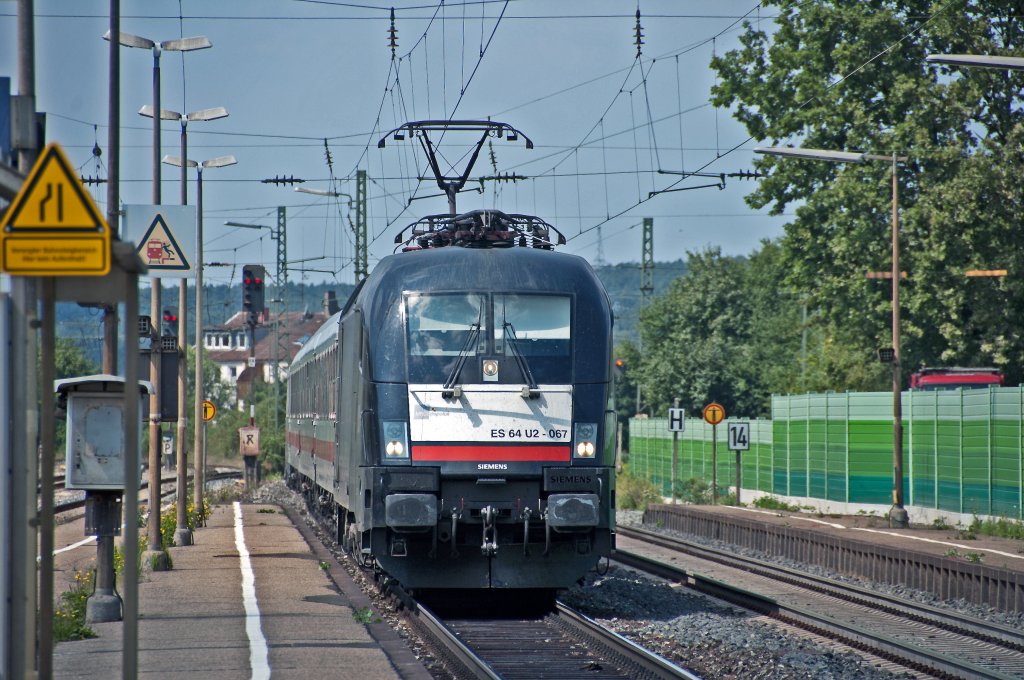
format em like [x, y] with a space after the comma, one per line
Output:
[963, 449]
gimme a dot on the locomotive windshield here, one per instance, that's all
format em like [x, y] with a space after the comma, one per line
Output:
[439, 325]
[442, 326]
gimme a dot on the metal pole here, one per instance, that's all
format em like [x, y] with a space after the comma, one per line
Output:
[898, 516]
[739, 477]
[24, 424]
[182, 534]
[675, 459]
[153, 534]
[113, 169]
[714, 464]
[198, 478]
[46, 522]
[130, 584]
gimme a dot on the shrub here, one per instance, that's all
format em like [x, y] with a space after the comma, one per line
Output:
[634, 492]
[1002, 527]
[773, 503]
[693, 490]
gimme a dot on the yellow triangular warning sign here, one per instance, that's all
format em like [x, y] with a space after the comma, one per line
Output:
[53, 198]
[159, 249]
[53, 228]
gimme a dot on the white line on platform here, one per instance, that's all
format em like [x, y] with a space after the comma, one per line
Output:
[779, 514]
[85, 541]
[930, 540]
[257, 643]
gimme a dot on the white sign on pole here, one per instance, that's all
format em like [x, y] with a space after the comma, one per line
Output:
[676, 420]
[739, 436]
[164, 237]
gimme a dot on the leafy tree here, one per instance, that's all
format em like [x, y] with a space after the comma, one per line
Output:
[852, 76]
[70, 361]
[693, 336]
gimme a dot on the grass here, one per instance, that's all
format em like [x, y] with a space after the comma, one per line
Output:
[1001, 528]
[773, 503]
[365, 616]
[69, 614]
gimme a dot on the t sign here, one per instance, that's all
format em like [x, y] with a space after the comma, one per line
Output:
[676, 420]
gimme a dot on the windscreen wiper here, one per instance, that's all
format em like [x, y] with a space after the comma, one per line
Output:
[510, 337]
[450, 391]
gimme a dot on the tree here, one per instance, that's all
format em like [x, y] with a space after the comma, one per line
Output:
[693, 337]
[70, 361]
[852, 76]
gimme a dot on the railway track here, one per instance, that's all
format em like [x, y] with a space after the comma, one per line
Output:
[564, 644]
[169, 481]
[939, 642]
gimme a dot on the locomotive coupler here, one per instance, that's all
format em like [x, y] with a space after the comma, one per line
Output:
[490, 544]
[526, 532]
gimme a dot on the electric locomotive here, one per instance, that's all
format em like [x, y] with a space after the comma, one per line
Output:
[455, 419]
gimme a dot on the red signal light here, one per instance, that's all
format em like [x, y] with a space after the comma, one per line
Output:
[248, 281]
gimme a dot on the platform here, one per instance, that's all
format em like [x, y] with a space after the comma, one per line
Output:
[198, 620]
[982, 570]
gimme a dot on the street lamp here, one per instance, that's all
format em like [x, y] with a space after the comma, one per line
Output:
[182, 534]
[977, 60]
[178, 45]
[199, 464]
[898, 516]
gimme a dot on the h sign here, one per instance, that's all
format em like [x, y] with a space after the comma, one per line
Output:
[676, 420]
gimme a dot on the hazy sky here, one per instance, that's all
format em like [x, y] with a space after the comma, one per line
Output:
[293, 73]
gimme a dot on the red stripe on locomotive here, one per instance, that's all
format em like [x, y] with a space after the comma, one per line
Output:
[447, 452]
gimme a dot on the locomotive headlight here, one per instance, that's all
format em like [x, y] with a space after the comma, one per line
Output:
[584, 437]
[490, 370]
[396, 445]
[585, 450]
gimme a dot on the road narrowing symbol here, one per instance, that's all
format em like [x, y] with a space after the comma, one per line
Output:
[53, 227]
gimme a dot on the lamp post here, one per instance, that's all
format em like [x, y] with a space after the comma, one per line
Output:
[199, 463]
[182, 534]
[157, 48]
[898, 516]
[978, 61]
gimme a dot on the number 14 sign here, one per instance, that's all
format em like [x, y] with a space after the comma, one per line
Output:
[739, 436]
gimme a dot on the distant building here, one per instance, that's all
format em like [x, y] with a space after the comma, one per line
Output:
[278, 339]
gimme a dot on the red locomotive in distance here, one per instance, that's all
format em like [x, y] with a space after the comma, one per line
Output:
[952, 378]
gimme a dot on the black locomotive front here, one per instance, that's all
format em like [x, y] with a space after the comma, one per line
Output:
[487, 433]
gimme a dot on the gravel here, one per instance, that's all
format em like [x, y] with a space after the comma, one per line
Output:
[1014, 619]
[709, 638]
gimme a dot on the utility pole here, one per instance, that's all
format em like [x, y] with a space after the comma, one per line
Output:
[23, 428]
[153, 542]
[282, 301]
[361, 260]
[646, 284]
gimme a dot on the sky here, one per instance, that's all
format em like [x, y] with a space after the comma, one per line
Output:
[304, 79]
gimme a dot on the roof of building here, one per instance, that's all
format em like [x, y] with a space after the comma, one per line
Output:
[293, 328]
